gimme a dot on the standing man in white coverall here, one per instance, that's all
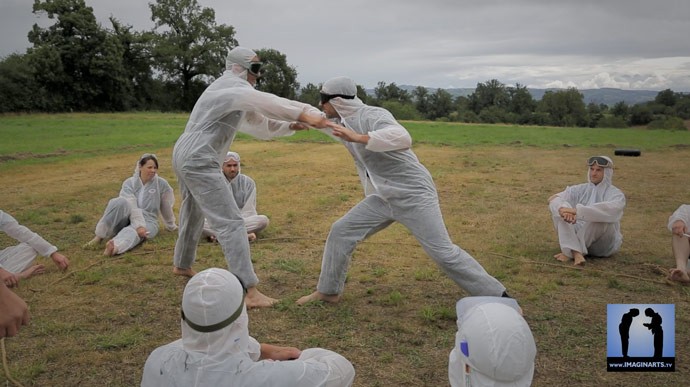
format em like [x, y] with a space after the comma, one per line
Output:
[16, 261]
[216, 349]
[680, 243]
[243, 190]
[397, 188]
[587, 216]
[230, 104]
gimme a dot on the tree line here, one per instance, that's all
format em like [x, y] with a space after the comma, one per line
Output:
[76, 64]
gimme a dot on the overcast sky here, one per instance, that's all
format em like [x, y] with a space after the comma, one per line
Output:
[627, 44]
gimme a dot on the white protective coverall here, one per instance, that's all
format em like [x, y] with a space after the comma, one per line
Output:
[228, 356]
[230, 104]
[16, 259]
[138, 205]
[599, 211]
[682, 213]
[243, 190]
[494, 346]
[397, 187]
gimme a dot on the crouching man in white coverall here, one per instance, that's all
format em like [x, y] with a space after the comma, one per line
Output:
[230, 104]
[680, 242]
[16, 261]
[397, 188]
[243, 190]
[216, 349]
[587, 216]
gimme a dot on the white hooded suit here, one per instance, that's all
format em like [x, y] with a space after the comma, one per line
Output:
[599, 211]
[225, 355]
[243, 189]
[230, 104]
[137, 205]
[398, 188]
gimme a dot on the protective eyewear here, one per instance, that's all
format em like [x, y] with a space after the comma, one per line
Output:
[600, 161]
[255, 68]
[327, 97]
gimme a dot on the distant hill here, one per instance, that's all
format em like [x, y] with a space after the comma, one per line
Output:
[607, 96]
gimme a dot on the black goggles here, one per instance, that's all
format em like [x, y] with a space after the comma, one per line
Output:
[327, 97]
[255, 68]
[600, 161]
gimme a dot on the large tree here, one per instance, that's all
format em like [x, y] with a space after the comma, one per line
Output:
[78, 63]
[188, 45]
[277, 76]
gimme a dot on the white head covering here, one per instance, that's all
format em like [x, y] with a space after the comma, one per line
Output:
[343, 86]
[599, 190]
[238, 61]
[213, 300]
[232, 156]
[494, 345]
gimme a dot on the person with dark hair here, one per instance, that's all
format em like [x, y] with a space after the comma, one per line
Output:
[217, 350]
[680, 243]
[228, 106]
[16, 262]
[657, 331]
[132, 217]
[243, 189]
[397, 188]
[624, 328]
[587, 216]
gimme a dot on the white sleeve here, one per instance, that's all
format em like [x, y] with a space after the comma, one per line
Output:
[267, 115]
[253, 349]
[340, 371]
[390, 138]
[167, 213]
[249, 208]
[609, 211]
[682, 213]
[13, 229]
[557, 203]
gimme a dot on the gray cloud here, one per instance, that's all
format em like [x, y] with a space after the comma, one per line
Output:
[629, 44]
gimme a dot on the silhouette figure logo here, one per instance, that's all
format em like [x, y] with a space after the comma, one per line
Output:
[638, 342]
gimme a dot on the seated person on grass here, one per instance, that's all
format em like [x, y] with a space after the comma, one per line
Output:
[680, 242]
[587, 216]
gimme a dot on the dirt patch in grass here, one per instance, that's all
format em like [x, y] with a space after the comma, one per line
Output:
[96, 324]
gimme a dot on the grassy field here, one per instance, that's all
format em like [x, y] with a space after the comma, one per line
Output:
[96, 324]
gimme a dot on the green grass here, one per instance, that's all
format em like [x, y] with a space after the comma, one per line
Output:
[96, 324]
[29, 139]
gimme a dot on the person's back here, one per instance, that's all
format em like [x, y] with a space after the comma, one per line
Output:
[216, 349]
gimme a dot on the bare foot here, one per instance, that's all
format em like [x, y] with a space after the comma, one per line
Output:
[256, 299]
[562, 257]
[95, 242]
[318, 296]
[33, 270]
[109, 249]
[579, 259]
[184, 272]
[679, 275]
[251, 236]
